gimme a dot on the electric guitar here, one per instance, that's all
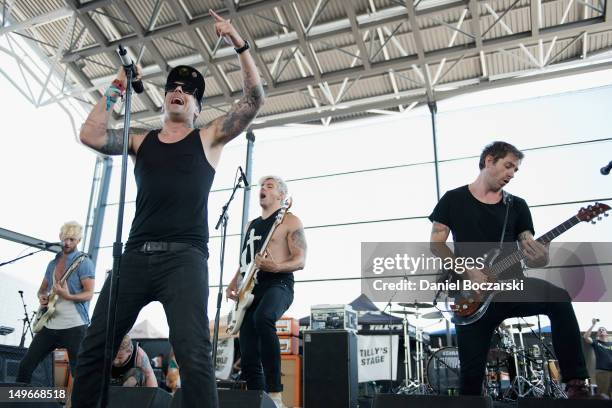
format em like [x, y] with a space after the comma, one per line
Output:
[45, 312]
[469, 306]
[247, 283]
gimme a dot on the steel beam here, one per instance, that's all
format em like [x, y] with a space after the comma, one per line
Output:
[38, 20]
[340, 27]
[418, 40]
[301, 33]
[387, 101]
[363, 51]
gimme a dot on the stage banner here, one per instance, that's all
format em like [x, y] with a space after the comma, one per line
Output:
[225, 358]
[375, 356]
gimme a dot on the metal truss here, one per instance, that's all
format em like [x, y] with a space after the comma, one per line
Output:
[390, 44]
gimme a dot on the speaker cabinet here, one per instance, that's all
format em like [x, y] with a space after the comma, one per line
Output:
[141, 397]
[291, 378]
[330, 369]
[431, 401]
[234, 399]
[10, 357]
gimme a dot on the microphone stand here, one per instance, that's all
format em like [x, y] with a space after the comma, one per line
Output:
[21, 257]
[27, 325]
[117, 247]
[222, 222]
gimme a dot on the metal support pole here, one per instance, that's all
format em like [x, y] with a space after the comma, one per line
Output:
[248, 169]
[100, 209]
[433, 108]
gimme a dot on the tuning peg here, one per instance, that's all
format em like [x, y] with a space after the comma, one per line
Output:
[606, 214]
[593, 222]
[599, 218]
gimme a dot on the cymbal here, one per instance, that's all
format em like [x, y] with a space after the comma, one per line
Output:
[432, 315]
[417, 304]
[407, 312]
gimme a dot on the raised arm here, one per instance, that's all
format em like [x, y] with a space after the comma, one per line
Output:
[230, 125]
[587, 334]
[95, 132]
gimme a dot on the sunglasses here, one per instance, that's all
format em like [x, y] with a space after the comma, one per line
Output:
[187, 88]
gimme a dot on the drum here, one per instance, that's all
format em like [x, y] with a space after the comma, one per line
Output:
[443, 371]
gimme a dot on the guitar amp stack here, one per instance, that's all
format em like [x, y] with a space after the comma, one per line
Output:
[287, 329]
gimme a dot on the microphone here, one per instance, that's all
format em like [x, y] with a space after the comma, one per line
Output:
[606, 170]
[128, 64]
[50, 244]
[243, 176]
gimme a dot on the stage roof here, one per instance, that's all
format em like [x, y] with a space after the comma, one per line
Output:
[320, 60]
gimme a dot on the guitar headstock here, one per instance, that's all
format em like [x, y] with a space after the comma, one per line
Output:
[285, 206]
[592, 211]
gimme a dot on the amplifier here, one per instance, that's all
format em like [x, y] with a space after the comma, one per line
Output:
[287, 326]
[288, 345]
[333, 317]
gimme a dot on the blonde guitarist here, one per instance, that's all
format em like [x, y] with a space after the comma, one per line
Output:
[273, 292]
[66, 326]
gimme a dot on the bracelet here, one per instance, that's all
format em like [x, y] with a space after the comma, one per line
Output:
[242, 49]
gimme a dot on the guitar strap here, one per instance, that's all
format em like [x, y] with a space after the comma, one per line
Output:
[75, 264]
[507, 199]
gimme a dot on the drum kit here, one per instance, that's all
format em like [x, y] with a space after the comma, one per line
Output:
[512, 370]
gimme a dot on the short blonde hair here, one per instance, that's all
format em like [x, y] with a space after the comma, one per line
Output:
[71, 229]
[281, 186]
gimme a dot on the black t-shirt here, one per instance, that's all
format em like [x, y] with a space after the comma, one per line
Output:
[603, 354]
[256, 234]
[472, 221]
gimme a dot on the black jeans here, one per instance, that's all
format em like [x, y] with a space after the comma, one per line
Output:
[260, 359]
[474, 339]
[44, 342]
[179, 280]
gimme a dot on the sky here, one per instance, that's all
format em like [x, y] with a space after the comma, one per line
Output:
[47, 175]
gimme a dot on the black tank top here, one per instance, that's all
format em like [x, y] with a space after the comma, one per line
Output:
[118, 372]
[173, 180]
[255, 236]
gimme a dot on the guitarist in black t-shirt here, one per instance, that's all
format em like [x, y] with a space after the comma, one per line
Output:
[273, 292]
[476, 213]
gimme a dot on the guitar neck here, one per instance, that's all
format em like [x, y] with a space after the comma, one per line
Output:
[518, 255]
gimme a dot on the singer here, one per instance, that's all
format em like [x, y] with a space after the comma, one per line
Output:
[166, 254]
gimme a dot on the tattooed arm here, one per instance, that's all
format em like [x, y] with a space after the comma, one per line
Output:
[437, 241]
[143, 362]
[226, 127]
[95, 133]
